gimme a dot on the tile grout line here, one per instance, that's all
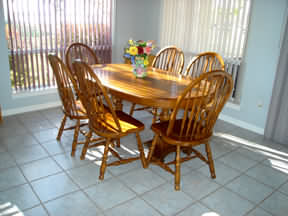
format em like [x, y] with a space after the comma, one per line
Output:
[221, 187]
[140, 195]
[29, 183]
[34, 192]
[244, 173]
[79, 187]
[137, 194]
[41, 203]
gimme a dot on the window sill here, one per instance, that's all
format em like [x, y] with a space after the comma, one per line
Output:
[33, 93]
[232, 105]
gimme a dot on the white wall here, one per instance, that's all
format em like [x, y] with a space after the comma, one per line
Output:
[136, 19]
[260, 63]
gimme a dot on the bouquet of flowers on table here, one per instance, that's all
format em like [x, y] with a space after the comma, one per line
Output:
[138, 52]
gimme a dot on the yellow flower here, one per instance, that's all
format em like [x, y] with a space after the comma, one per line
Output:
[133, 50]
[146, 62]
[130, 42]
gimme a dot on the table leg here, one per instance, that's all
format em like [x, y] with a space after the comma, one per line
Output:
[118, 104]
[161, 148]
[164, 115]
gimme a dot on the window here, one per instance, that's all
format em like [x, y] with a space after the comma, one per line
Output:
[207, 25]
[36, 27]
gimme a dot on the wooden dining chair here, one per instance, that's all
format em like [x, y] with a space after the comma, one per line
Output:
[170, 59]
[72, 108]
[81, 52]
[201, 102]
[204, 62]
[104, 120]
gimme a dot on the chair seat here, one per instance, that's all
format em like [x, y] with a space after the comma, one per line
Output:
[127, 123]
[80, 108]
[81, 112]
[175, 138]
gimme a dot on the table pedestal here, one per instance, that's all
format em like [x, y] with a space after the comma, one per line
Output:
[118, 103]
[161, 149]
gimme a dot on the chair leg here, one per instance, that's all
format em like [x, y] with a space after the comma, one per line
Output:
[141, 150]
[75, 139]
[177, 168]
[86, 144]
[151, 151]
[210, 160]
[118, 143]
[61, 129]
[132, 109]
[104, 160]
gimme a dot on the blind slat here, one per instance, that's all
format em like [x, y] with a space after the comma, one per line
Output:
[241, 24]
[225, 25]
[11, 42]
[41, 46]
[65, 25]
[61, 29]
[20, 26]
[93, 23]
[88, 22]
[55, 26]
[17, 69]
[46, 41]
[75, 20]
[25, 45]
[84, 23]
[31, 45]
[227, 38]
[37, 48]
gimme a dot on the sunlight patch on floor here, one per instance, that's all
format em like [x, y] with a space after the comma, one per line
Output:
[210, 214]
[251, 144]
[279, 165]
[8, 209]
[277, 159]
[93, 154]
[132, 152]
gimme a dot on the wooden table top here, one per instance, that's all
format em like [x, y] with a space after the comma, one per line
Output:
[159, 89]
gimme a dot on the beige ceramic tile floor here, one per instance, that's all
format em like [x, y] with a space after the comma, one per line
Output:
[38, 177]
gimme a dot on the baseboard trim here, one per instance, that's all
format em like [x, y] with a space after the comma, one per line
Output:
[242, 124]
[31, 108]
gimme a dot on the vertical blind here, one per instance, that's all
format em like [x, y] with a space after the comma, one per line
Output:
[206, 25]
[36, 27]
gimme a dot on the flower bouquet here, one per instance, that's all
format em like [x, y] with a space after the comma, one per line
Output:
[138, 52]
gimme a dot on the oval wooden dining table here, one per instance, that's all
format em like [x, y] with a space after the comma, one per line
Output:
[159, 89]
